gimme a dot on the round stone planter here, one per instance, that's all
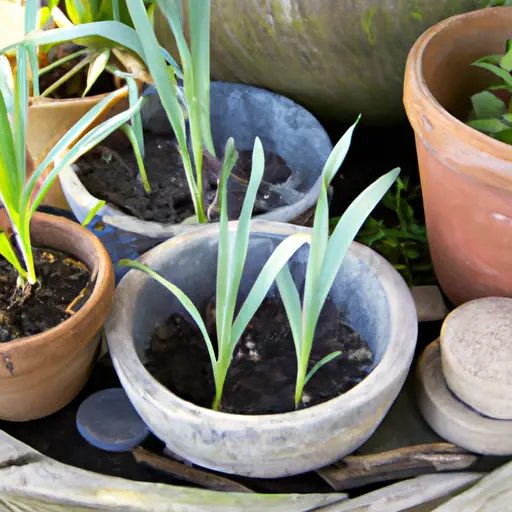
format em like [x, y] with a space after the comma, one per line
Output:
[375, 301]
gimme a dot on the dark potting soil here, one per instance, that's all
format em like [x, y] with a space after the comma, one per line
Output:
[28, 312]
[112, 174]
[261, 377]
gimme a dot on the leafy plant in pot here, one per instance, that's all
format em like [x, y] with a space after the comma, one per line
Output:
[61, 87]
[187, 124]
[465, 174]
[54, 297]
[272, 347]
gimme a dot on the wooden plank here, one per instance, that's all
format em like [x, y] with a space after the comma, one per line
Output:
[493, 493]
[406, 462]
[409, 494]
[32, 482]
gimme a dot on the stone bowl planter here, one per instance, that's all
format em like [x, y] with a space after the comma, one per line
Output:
[375, 301]
[237, 111]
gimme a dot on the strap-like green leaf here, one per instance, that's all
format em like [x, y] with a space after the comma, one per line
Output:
[283, 252]
[239, 254]
[185, 301]
[199, 21]
[93, 138]
[69, 138]
[7, 251]
[96, 68]
[121, 35]
[291, 301]
[93, 211]
[225, 253]
[327, 359]
[347, 229]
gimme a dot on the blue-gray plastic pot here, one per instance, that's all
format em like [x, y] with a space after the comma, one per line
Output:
[239, 111]
[372, 297]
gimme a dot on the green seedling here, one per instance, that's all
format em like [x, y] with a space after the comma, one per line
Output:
[326, 255]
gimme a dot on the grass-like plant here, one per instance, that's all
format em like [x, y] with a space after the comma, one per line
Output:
[325, 258]
[326, 254]
[195, 61]
[492, 109]
[188, 108]
[22, 188]
[232, 252]
[95, 53]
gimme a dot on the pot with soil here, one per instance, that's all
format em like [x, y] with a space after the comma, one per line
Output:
[49, 337]
[133, 221]
[71, 80]
[162, 361]
[466, 176]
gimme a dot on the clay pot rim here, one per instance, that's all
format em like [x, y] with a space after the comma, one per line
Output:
[479, 140]
[100, 273]
[37, 101]
[382, 377]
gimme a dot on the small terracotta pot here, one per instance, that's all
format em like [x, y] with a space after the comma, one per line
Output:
[49, 119]
[466, 176]
[41, 374]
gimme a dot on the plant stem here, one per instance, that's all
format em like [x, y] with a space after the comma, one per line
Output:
[72, 72]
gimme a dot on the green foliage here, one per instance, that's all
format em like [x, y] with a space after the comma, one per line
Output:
[195, 59]
[325, 258]
[499, 3]
[98, 51]
[232, 252]
[400, 237]
[492, 109]
[21, 196]
[326, 255]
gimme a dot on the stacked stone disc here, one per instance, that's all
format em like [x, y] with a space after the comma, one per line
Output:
[464, 379]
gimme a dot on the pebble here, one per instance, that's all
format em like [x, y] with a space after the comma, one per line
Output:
[108, 421]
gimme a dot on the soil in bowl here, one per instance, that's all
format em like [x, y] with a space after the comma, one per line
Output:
[64, 285]
[110, 172]
[261, 378]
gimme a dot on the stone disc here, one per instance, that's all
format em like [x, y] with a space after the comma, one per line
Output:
[451, 418]
[108, 421]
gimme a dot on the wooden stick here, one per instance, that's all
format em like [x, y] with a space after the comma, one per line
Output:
[357, 471]
[186, 473]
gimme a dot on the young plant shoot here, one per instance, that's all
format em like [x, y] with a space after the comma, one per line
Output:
[19, 196]
[325, 258]
[232, 252]
[194, 108]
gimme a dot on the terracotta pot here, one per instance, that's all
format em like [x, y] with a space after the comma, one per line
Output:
[41, 374]
[49, 119]
[466, 176]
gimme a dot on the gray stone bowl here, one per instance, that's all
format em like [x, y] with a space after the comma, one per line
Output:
[244, 113]
[374, 300]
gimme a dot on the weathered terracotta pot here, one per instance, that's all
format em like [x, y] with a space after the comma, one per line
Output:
[466, 176]
[41, 374]
[49, 119]
[337, 58]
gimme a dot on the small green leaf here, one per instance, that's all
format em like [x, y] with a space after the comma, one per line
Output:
[505, 136]
[92, 212]
[7, 251]
[96, 68]
[506, 61]
[504, 75]
[319, 364]
[487, 105]
[489, 125]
